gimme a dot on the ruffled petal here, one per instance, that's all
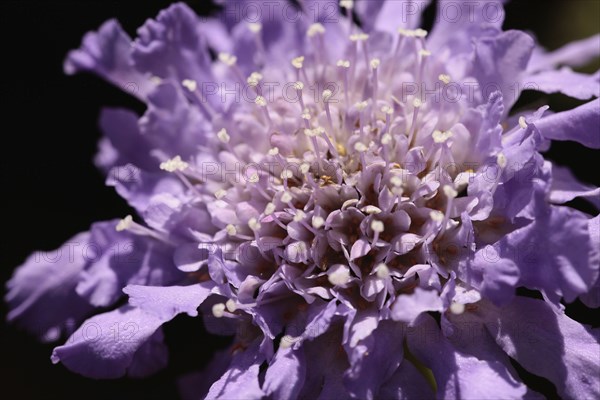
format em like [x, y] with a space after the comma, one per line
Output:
[286, 373]
[409, 306]
[565, 187]
[407, 383]
[107, 53]
[104, 346]
[125, 259]
[376, 358]
[123, 144]
[389, 15]
[46, 281]
[458, 22]
[241, 379]
[574, 54]
[500, 62]
[167, 302]
[565, 81]
[171, 46]
[458, 375]
[563, 270]
[547, 344]
[579, 124]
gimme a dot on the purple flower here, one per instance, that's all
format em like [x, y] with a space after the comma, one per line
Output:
[354, 204]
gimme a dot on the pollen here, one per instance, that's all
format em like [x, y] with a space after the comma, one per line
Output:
[174, 164]
[124, 224]
[190, 84]
[223, 136]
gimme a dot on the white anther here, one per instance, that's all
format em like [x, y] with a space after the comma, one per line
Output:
[347, 4]
[227, 59]
[359, 37]
[450, 192]
[273, 151]
[254, 178]
[156, 80]
[361, 105]
[441, 137]
[360, 147]
[311, 132]
[371, 210]
[286, 197]
[255, 27]
[286, 174]
[338, 275]
[269, 209]
[287, 341]
[522, 122]
[375, 63]
[501, 160]
[387, 110]
[386, 139]
[298, 85]
[343, 64]
[417, 103]
[299, 216]
[304, 168]
[218, 310]
[223, 136]
[231, 305]
[327, 95]
[420, 33]
[298, 62]
[424, 53]
[254, 79]
[306, 114]
[317, 222]
[219, 194]
[377, 226]
[382, 271]
[230, 229]
[174, 164]
[189, 84]
[260, 101]
[457, 308]
[315, 29]
[444, 78]
[349, 203]
[124, 224]
[254, 224]
[436, 216]
[396, 181]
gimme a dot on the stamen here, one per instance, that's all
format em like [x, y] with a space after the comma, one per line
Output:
[174, 164]
[269, 209]
[223, 136]
[417, 103]
[345, 65]
[218, 310]
[522, 122]
[382, 271]
[231, 230]
[317, 222]
[338, 275]
[377, 227]
[254, 224]
[231, 305]
[457, 308]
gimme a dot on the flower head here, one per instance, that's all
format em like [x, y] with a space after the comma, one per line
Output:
[327, 228]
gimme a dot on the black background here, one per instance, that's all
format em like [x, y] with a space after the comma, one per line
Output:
[51, 190]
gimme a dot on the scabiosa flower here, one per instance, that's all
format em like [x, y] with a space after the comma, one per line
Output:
[351, 201]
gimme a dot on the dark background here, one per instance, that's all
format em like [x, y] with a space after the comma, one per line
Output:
[51, 189]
